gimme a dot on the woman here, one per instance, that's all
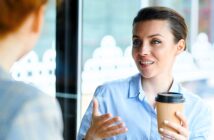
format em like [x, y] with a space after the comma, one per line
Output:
[25, 112]
[125, 109]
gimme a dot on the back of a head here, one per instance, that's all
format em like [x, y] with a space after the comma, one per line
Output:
[14, 13]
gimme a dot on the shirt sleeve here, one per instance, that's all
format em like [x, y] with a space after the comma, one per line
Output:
[86, 120]
[39, 119]
[85, 123]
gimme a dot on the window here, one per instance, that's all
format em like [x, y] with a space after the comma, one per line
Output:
[106, 35]
[109, 23]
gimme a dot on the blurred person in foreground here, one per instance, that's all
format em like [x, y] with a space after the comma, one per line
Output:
[26, 113]
[126, 109]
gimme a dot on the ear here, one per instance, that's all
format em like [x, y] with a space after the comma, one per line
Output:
[180, 46]
[38, 19]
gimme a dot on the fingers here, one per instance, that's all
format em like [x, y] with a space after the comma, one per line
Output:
[181, 133]
[170, 135]
[116, 127]
[95, 107]
[111, 121]
[104, 126]
[104, 123]
[182, 118]
[166, 137]
[99, 120]
[181, 130]
[114, 130]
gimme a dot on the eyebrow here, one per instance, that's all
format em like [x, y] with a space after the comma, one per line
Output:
[153, 35]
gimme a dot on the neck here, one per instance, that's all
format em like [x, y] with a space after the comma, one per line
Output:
[152, 87]
[9, 51]
[156, 85]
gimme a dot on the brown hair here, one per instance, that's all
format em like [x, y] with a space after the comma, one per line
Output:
[176, 21]
[14, 12]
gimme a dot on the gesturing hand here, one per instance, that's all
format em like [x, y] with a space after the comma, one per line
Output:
[104, 126]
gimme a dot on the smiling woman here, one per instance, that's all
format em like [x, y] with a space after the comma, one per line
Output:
[157, 50]
[125, 108]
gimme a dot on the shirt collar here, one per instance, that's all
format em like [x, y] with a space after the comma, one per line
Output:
[135, 88]
[141, 95]
[4, 74]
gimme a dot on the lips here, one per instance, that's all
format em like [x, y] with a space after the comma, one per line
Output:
[146, 62]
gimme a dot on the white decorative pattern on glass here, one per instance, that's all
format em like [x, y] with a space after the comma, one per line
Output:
[39, 73]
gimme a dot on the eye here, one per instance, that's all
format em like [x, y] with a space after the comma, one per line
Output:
[136, 43]
[155, 42]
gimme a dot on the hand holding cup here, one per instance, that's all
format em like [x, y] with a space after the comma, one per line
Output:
[171, 122]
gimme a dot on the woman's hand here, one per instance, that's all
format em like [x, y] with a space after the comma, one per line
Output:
[104, 126]
[183, 131]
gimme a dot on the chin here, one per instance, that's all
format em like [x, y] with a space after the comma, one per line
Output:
[146, 75]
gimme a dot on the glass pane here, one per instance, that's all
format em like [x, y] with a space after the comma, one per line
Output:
[203, 51]
[181, 6]
[195, 69]
[107, 28]
[205, 21]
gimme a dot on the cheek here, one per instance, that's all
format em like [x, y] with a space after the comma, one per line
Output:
[134, 54]
[166, 59]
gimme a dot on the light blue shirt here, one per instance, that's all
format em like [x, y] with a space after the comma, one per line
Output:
[126, 98]
[26, 113]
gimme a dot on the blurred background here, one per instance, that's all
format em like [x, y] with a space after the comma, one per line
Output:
[88, 42]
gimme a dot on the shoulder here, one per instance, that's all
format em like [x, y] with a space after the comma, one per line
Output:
[193, 101]
[14, 95]
[198, 113]
[41, 106]
[19, 89]
[191, 98]
[21, 97]
[27, 106]
[38, 118]
[34, 100]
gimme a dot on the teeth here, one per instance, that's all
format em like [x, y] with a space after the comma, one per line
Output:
[146, 62]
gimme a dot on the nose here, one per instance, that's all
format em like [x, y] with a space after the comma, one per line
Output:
[144, 50]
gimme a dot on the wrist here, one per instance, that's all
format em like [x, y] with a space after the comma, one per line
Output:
[90, 136]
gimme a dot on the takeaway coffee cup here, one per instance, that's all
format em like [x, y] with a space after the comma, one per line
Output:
[167, 104]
